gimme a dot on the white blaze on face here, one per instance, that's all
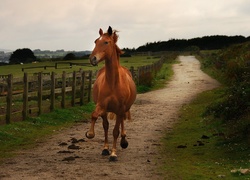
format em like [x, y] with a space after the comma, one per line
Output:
[98, 57]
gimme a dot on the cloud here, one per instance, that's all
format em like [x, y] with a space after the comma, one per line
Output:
[74, 24]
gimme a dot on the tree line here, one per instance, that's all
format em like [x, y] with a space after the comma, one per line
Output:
[25, 55]
[201, 43]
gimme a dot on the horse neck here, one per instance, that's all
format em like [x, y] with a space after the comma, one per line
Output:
[112, 73]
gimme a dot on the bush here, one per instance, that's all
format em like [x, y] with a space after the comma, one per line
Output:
[233, 65]
[146, 79]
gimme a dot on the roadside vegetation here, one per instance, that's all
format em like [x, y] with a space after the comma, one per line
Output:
[212, 137]
[157, 80]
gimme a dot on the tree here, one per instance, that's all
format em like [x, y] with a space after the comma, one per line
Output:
[69, 56]
[24, 55]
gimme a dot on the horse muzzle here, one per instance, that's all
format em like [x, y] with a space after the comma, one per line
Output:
[93, 61]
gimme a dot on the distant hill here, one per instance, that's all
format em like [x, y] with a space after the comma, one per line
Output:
[58, 53]
[5, 50]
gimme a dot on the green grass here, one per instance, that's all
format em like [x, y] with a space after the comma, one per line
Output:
[25, 134]
[214, 159]
[159, 81]
[16, 70]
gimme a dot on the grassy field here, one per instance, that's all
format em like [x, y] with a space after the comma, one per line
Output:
[25, 134]
[16, 70]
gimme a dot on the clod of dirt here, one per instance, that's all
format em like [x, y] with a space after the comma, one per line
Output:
[204, 137]
[70, 158]
[74, 140]
[63, 144]
[73, 146]
[200, 143]
[182, 146]
[81, 140]
[65, 152]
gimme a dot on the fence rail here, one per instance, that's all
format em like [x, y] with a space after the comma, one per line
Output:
[32, 95]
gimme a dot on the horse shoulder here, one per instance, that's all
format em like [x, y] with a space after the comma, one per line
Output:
[126, 71]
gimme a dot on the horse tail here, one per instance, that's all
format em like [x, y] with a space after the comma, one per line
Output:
[112, 116]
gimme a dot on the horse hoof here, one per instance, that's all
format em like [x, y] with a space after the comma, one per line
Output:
[113, 158]
[105, 152]
[124, 143]
[89, 136]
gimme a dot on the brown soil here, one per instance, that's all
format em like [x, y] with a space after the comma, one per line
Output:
[69, 155]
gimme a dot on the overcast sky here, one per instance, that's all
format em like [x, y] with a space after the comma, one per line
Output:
[74, 24]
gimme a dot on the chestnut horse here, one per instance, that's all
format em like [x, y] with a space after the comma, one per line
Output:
[114, 90]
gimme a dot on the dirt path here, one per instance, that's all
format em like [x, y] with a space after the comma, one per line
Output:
[152, 114]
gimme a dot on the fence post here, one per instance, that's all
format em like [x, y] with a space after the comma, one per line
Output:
[73, 89]
[138, 75]
[52, 95]
[90, 84]
[63, 89]
[82, 88]
[39, 93]
[9, 98]
[25, 96]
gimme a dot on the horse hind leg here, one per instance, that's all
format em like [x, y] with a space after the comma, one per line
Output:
[124, 142]
[105, 125]
[113, 156]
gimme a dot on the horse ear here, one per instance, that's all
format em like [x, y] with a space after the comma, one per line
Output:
[100, 32]
[110, 31]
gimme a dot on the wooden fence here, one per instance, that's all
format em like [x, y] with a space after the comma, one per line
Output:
[39, 93]
[36, 94]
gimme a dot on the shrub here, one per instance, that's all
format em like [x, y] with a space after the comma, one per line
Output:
[232, 64]
[146, 79]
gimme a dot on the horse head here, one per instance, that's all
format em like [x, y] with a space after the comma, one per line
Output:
[105, 46]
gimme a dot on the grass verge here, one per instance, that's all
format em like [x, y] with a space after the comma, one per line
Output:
[25, 134]
[160, 79]
[196, 148]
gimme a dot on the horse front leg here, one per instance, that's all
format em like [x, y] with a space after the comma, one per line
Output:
[91, 133]
[105, 125]
[124, 142]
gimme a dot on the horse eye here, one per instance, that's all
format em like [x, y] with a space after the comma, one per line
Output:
[106, 42]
